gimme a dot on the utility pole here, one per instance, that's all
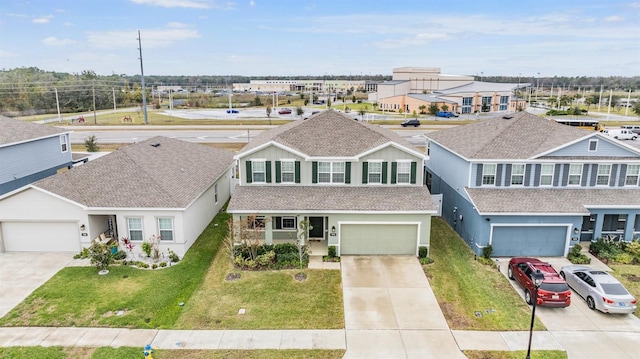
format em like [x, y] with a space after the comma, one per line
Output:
[93, 88]
[113, 91]
[58, 104]
[144, 89]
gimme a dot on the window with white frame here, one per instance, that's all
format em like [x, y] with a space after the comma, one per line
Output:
[331, 172]
[289, 222]
[517, 174]
[467, 102]
[134, 226]
[486, 103]
[489, 174]
[546, 174]
[593, 145]
[575, 174]
[504, 103]
[258, 171]
[375, 172]
[633, 173]
[63, 143]
[165, 229]
[287, 171]
[404, 172]
[604, 172]
[215, 193]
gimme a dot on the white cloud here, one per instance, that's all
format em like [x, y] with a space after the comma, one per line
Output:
[42, 19]
[194, 4]
[151, 38]
[54, 41]
[614, 18]
[252, 3]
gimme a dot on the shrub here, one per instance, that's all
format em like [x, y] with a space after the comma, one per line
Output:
[120, 255]
[623, 258]
[163, 264]
[331, 252]
[146, 248]
[266, 258]
[100, 255]
[487, 261]
[487, 251]
[286, 257]
[154, 266]
[173, 256]
[282, 248]
[426, 260]
[423, 252]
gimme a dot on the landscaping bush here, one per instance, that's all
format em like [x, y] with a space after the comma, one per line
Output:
[622, 258]
[120, 255]
[575, 256]
[282, 248]
[487, 251]
[423, 252]
[173, 256]
[266, 259]
[279, 256]
[100, 255]
[331, 252]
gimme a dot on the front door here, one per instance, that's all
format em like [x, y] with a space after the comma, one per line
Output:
[317, 228]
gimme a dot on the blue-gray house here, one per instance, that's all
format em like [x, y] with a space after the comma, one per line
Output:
[30, 152]
[532, 187]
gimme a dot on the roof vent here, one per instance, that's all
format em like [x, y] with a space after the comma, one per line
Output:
[155, 144]
[507, 117]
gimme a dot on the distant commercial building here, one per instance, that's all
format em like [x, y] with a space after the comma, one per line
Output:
[316, 85]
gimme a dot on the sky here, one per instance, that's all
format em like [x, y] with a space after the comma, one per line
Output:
[317, 38]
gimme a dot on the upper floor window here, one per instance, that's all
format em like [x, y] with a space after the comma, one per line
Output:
[287, 171]
[331, 172]
[215, 193]
[63, 143]
[375, 172]
[404, 172]
[604, 172]
[134, 225]
[517, 174]
[489, 174]
[546, 174]
[593, 145]
[575, 174]
[258, 171]
[165, 229]
[633, 173]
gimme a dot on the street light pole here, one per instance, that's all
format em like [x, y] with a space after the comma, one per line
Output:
[537, 277]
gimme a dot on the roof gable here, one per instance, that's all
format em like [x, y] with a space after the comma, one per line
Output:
[14, 131]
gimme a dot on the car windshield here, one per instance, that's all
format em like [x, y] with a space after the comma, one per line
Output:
[554, 287]
[614, 289]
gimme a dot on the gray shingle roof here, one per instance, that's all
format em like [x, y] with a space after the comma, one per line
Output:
[15, 131]
[170, 175]
[328, 134]
[384, 199]
[550, 200]
[521, 137]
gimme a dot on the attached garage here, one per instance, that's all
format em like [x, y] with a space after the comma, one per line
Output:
[40, 236]
[378, 239]
[529, 241]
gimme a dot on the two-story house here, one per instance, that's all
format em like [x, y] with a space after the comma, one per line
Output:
[360, 186]
[29, 152]
[532, 187]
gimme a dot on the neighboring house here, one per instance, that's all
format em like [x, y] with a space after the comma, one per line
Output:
[30, 152]
[359, 186]
[161, 186]
[532, 187]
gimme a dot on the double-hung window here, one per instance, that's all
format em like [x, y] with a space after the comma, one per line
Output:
[546, 174]
[331, 172]
[633, 173]
[602, 178]
[375, 172]
[258, 170]
[134, 225]
[215, 193]
[489, 174]
[575, 174]
[517, 174]
[165, 229]
[287, 171]
[404, 172]
[63, 143]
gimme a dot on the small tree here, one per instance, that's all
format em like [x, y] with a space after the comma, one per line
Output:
[91, 143]
[299, 111]
[305, 226]
[433, 109]
[100, 255]
[636, 108]
[269, 111]
[248, 232]
[422, 108]
[362, 111]
[444, 107]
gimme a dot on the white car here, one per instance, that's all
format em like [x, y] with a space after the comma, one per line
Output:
[600, 289]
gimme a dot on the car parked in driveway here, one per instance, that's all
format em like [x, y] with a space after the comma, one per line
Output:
[411, 122]
[553, 292]
[600, 289]
[446, 114]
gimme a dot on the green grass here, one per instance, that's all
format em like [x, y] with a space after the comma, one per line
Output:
[629, 276]
[463, 286]
[136, 353]
[77, 296]
[519, 354]
[272, 300]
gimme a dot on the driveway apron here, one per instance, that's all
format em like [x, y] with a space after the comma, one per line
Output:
[391, 312]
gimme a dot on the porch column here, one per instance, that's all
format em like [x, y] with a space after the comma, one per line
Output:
[268, 232]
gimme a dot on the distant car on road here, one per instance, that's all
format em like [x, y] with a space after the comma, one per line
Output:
[233, 110]
[553, 292]
[600, 289]
[285, 111]
[446, 114]
[411, 122]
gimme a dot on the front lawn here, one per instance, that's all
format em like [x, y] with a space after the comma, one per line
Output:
[472, 296]
[519, 354]
[629, 276]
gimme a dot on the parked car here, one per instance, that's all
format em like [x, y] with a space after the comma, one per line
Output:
[233, 111]
[446, 114]
[621, 134]
[600, 289]
[553, 292]
[285, 111]
[411, 122]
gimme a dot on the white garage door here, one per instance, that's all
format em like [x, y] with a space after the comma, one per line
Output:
[372, 239]
[40, 237]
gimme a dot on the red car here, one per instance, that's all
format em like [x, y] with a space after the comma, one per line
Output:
[553, 292]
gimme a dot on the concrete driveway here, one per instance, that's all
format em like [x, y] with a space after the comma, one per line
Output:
[21, 273]
[391, 312]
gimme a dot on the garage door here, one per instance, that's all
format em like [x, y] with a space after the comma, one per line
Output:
[40, 237]
[378, 239]
[529, 241]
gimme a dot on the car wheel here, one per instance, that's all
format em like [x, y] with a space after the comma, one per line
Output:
[616, 137]
[562, 275]
[527, 297]
[591, 303]
[510, 272]
[419, 125]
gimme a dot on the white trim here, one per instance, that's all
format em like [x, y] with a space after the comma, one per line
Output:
[417, 224]
[34, 139]
[312, 212]
[332, 159]
[567, 237]
[240, 156]
[396, 145]
[545, 214]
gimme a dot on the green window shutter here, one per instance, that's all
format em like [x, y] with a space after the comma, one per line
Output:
[249, 173]
[394, 172]
[267, 165]
[365, 172]
[314, 172]
[384, 172]
[347, 172]
[297, 174]
[414, 166]
[278, 170]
